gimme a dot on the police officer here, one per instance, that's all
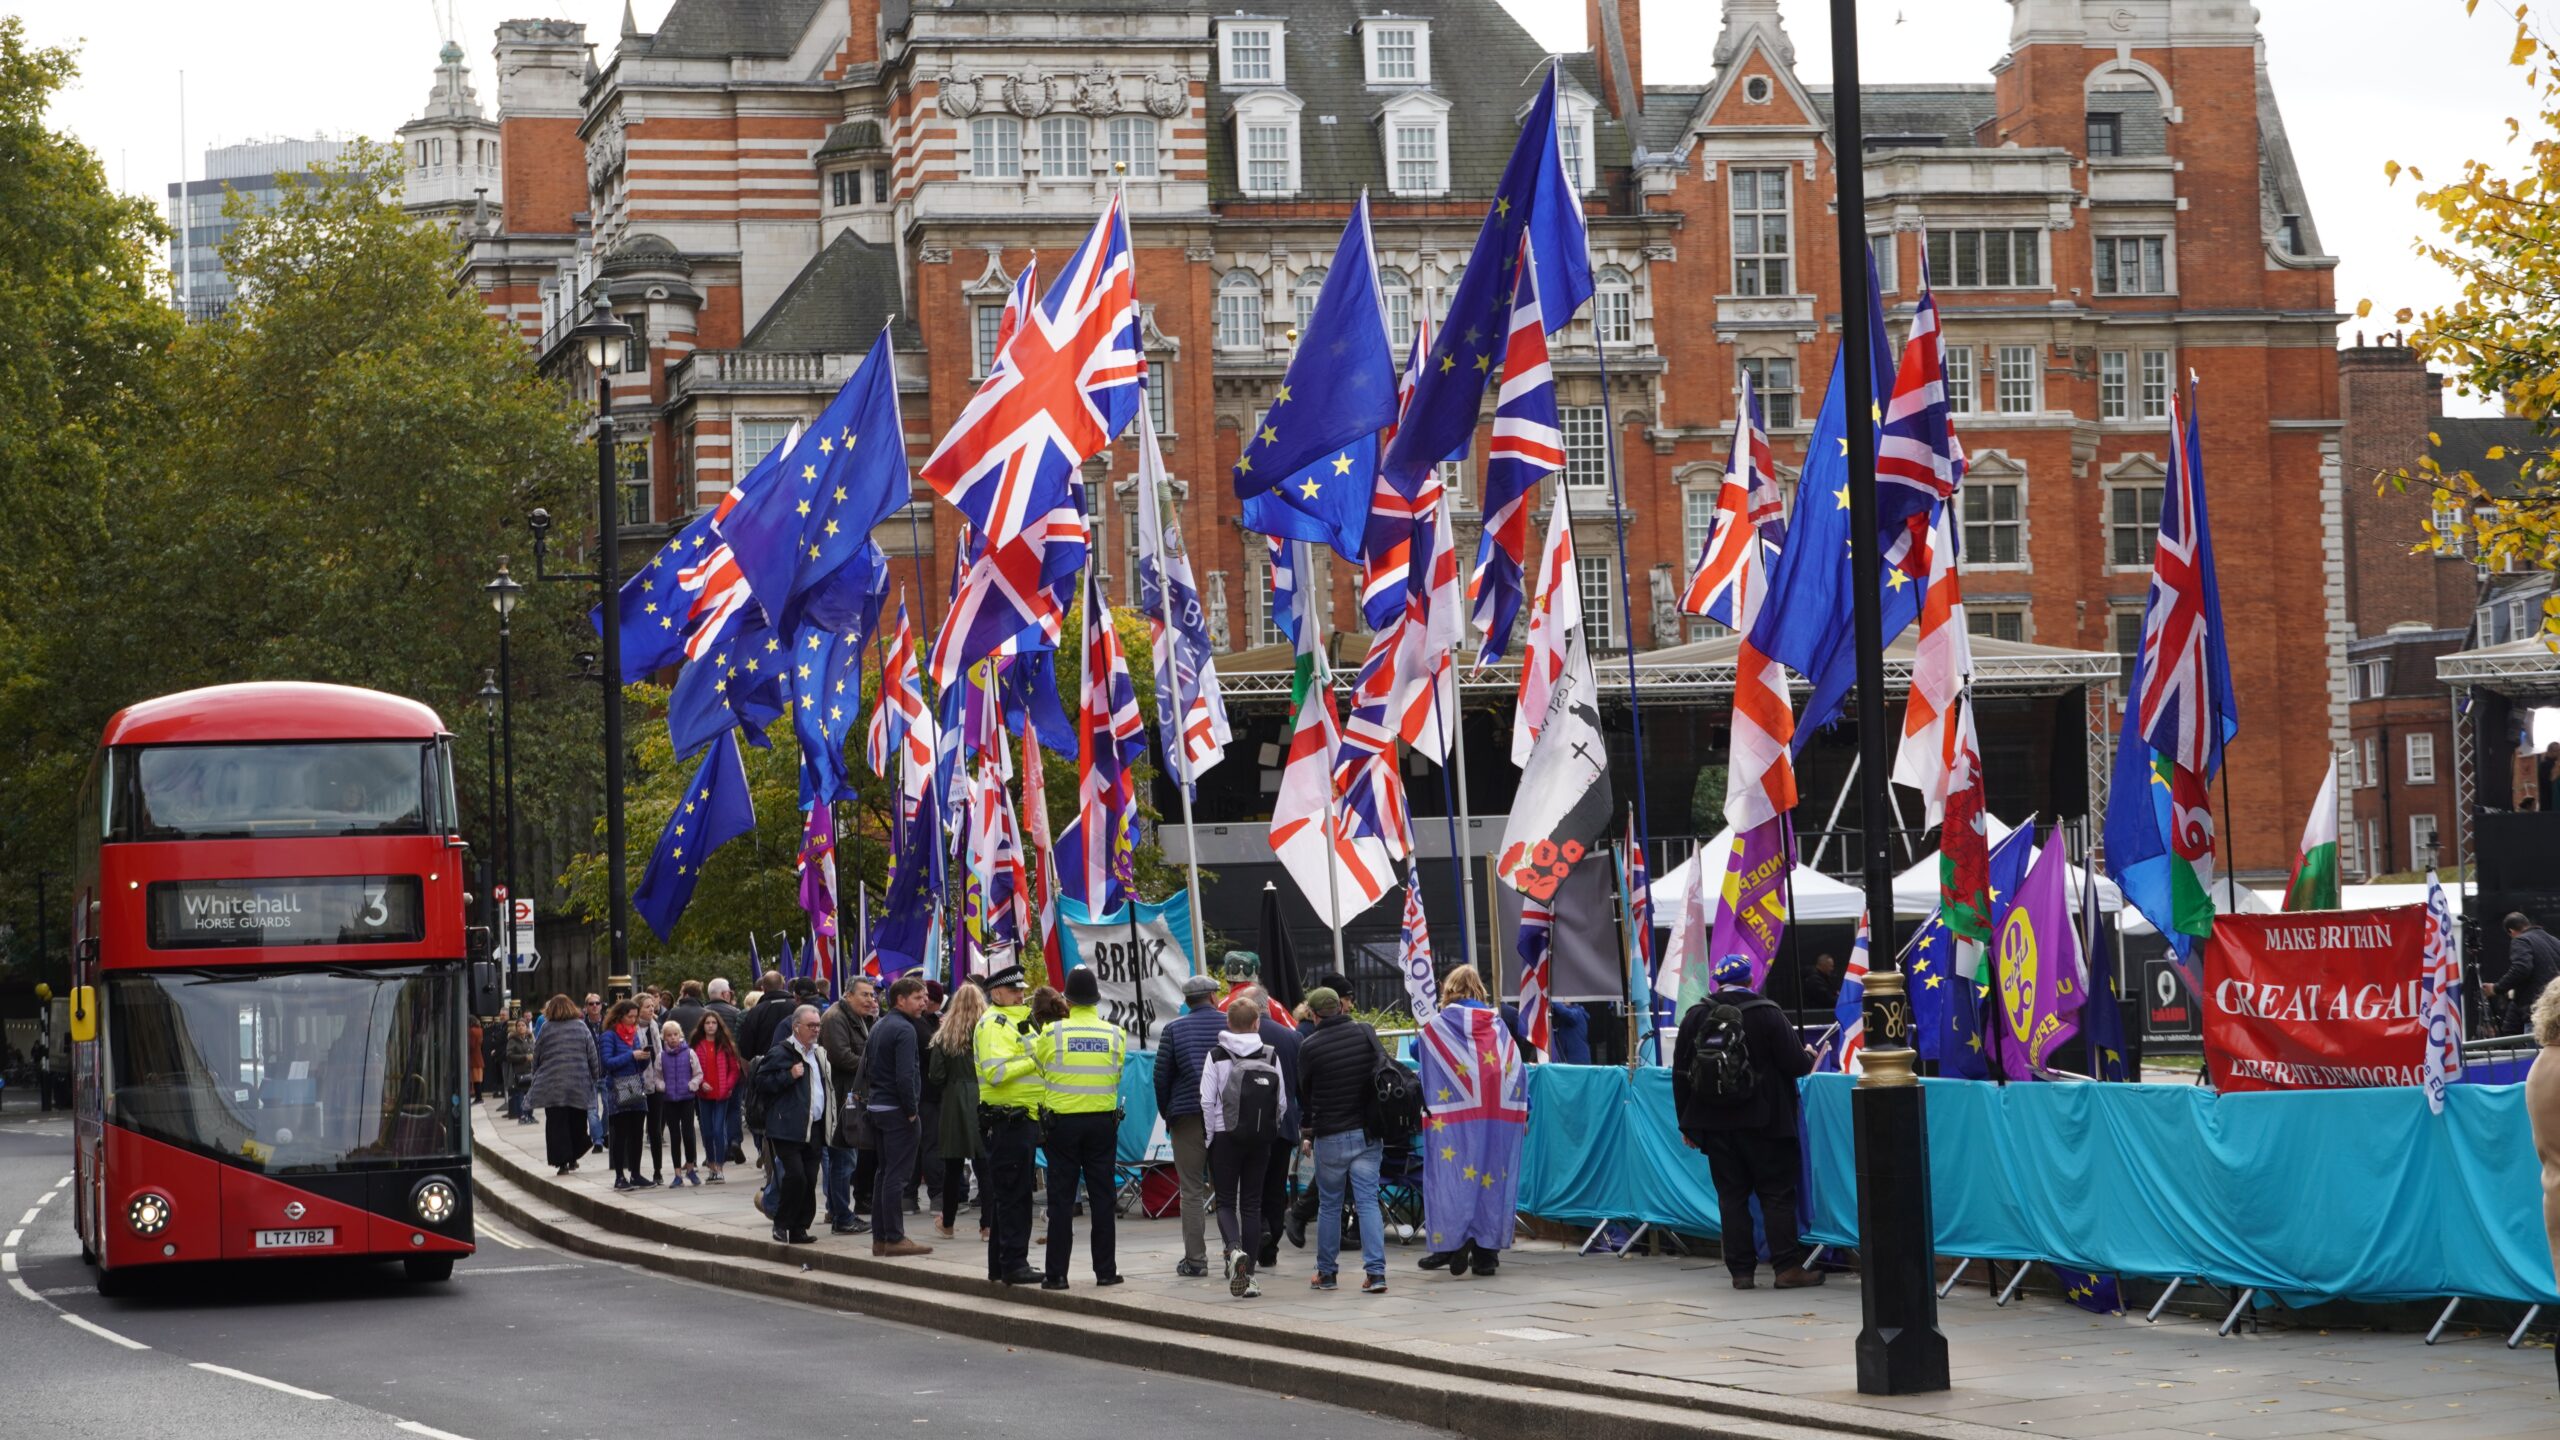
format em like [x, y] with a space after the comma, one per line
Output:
[1080, 1059]
[1009, 1095]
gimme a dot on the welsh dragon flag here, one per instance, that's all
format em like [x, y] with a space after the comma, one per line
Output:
[2315, 870]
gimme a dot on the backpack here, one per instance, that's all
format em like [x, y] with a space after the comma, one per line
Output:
[757, 1101]
[1392, 1111]
[1721, 1075]
[1250, 1098]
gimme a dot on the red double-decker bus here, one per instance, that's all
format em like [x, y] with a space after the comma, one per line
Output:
[270, 979]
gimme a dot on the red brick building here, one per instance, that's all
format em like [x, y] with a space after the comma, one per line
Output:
[761, 184]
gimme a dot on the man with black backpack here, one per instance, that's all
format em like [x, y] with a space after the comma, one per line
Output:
[1242, 1097]
[1733, 1082]
[1338, 1065]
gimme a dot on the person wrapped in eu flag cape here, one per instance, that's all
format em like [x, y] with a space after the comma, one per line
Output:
[1475, 1094]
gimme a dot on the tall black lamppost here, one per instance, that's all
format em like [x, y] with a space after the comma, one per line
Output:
[491, 697]
[1900, 1351]
[601, 339]
[503, 593]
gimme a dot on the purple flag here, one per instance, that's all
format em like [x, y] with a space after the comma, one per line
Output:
[1751, 915]
[1477, 1097]
[818, 887]
[2040, 995]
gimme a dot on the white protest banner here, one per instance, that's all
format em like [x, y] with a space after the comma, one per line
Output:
[1140, 969]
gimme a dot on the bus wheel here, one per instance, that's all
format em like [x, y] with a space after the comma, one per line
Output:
[87, 1255]
[115, 1283]
[428, 1267]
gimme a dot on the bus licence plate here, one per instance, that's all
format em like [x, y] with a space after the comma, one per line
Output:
[295, 1239]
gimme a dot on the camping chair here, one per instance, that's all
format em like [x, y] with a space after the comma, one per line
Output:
[1400, 1192]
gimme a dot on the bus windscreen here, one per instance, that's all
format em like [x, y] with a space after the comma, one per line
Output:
[291, 1070]
[250, 792]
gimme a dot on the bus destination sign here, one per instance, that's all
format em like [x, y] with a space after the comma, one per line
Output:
[324, 910]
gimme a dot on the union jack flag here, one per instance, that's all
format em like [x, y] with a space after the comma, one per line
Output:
[1851, 1009]
[1426, 703]
[1919, 462]
[1535, 942]
[1067, 381]
[1394, 518]
[1097, 850]
[1284, 588]
[1026, 286]
[2187, 712]
[1475, 1072]
[1554, 618]
[717, 589]
[1727, 556]
[1528, 446]
[1364, 767]
[996, 890]
[1039, 863]
[902, 731]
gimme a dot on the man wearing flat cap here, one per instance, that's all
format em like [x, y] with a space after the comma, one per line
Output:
[1181, 1049]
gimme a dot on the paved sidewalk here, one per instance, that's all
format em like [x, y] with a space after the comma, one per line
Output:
[2038, 1366]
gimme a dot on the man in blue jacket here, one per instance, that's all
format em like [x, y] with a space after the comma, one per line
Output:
[1180, 1051]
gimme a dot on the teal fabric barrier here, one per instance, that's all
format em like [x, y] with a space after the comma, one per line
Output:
[1602, 1146]
[2358, 1194]
[1137, 1106]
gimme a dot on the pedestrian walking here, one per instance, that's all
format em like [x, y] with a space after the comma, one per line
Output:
[593, 1013]
[846, 1032]
[518, 1068]
[677, 1072]
[928, 1176]
[1477, 1094]
[688, 1006]
[1080, 1059]
[1009, 1096]
[1283, 1040]
[566, 1068]
[644, 1049]
[950, 1069]
[626, 1092]
[1733, 1085]
[894, 1093]
[1242, 1096]
[1338, 1060]
[761, 1026]
[1181, 1050]
[799, 1121]
[478, 1042]
[2542, 1109]
[717, 1071]
[717, 1002]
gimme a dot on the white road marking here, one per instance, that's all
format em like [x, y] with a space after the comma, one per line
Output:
[8, 1262]
[12, 1241]
[65, 1180]
[429, 1431]
[47, 1197]
[61, 1290]
[94, 1328]
[28, 1219]
[255, 1379]
[515, 1269]
[502, 1237]
[21, 1287]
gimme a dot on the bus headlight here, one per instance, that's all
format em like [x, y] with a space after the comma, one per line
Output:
[148, 1214]
[435, 1201]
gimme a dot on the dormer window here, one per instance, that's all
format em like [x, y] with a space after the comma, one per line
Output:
[1574, 139]
[1413, 129]
[1266, 140]
[1249, 53]
[1398, 50]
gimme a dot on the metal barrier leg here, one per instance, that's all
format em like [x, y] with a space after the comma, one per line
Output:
[1630, 1247]
[2522, 1326]
[2444, 1319]
[1594, 1237]
[2165, 1297]
[2015, 1281]
[1813, 1256]
[1961, 1267]
[2237, 1309]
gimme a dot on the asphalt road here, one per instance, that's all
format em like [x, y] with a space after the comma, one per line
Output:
[527, 1341]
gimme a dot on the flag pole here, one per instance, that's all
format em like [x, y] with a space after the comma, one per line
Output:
[1454, 757]
[1627, 953]
[1323, 675]
[1899, 1348]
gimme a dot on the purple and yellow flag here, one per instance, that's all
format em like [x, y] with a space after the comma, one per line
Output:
[2040, 993]
[1751, 916]
[1476, 1095]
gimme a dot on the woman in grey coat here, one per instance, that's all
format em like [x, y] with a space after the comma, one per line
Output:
[565, 1071]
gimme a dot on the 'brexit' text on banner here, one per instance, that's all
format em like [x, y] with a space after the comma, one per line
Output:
[2315, 1001]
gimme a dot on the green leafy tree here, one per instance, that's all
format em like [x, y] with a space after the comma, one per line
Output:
[2500, 237]
[84, 407]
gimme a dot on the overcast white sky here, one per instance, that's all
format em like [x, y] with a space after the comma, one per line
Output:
[304, 67]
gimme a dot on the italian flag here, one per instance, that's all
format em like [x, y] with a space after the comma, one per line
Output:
[2315, 871]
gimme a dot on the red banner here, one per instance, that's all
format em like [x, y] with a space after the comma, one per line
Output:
[2318, 1000]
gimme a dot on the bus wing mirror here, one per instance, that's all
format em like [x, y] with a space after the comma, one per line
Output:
[84, 1014]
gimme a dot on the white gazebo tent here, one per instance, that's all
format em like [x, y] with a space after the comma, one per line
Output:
[1818, 899]
[1915, 891]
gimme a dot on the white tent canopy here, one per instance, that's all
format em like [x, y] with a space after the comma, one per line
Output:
[2230, 899]
[1915, 891]
[1818, 898]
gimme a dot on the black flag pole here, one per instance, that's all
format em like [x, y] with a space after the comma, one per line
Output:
[1899, 1349]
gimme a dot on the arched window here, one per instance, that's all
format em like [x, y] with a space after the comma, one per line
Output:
[1613, 309]
[1240, 311]
[1397, 290]
[1310, 286]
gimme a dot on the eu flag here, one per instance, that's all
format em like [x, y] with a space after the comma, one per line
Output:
[655, 618]
[826, 703]
[1534, 193]
[1807, 621]
[740, 682]
[716, 809]
[1306, 473]
[847, 474]
[902, 936]
[1029, 684]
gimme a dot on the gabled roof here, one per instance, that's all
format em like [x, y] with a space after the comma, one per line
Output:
[1482, 62]
[1916, 113]
[718, 29]
[838, 302]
